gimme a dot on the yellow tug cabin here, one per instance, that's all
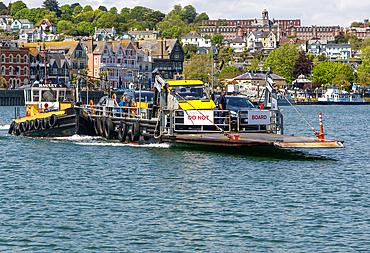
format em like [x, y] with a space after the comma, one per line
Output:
[43, 100]
[191, 94]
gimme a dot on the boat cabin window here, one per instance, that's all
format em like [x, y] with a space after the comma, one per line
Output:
[191, 92]
[48, 96]
[61, 97]
[28, 96]
[144, 98]
[36, 95]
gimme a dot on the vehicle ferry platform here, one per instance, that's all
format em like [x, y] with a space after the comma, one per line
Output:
[252, 139]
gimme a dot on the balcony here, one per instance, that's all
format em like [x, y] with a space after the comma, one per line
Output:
[111, 65]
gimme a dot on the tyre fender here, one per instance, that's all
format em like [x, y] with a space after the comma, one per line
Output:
[101, 125]
[53, 120]
[25, 126]
[37, 124]
[31, 125]
[108, 129]
[122, 131]
[135, 131]
[44, 123]
[11, 127]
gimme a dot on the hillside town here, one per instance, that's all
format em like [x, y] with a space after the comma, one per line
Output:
[41, 52]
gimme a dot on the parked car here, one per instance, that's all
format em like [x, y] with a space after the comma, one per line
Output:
[236, 103]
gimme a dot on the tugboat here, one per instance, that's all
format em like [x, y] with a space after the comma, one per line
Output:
[49, 114]
[333, 96]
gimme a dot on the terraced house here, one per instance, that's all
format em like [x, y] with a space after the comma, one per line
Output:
[118, 58]
[72, 51]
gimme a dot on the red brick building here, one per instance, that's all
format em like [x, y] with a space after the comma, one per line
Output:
[14, 64]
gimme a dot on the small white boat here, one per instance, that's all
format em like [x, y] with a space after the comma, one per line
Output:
[334, 96]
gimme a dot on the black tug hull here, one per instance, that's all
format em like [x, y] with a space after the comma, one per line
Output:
[74, 121]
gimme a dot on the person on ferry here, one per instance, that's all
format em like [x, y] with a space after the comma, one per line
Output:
[221, 106]
[123, 103]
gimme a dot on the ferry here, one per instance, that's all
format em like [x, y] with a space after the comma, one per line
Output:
[49, 114]
[333, 96]
[184, 112]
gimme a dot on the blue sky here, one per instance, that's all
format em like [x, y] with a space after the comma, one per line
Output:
[313, 12]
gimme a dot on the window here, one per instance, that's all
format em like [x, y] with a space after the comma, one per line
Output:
[25, 59]
[25, 81]
[104, 60]
[82, 65]
[74, 65]
[18, 59]
[55, 71]
[96, 59]
[95, 72]
[3, 70]
[25, 71]
[10, 70]
[10, 58]
[2, 58]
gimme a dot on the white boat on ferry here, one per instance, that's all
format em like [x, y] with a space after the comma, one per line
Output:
[334, 96]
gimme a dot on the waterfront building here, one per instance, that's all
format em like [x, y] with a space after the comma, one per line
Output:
[18, 24]
[144, 35]
[14, 64]
[145, 63]
[260, 40]
[119, 58]
[104, 34]
[72, 50]
[167, 55]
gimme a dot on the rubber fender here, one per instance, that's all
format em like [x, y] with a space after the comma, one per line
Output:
[122, 131]
[135, 131]
[108, 129]
[53, 120]
[11, 127]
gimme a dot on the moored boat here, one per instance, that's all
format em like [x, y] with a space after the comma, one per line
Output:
[334, 96]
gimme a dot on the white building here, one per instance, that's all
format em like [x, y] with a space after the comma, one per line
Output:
[238, 44]
[195, 38]
[104, 34]
[18, 24]
[334, 51]
[31, 35]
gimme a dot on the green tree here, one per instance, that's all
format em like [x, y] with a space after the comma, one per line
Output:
[64, 25]
[340, 39]
[281, 61]
[341, 80]
[326, 72]
[17, 6]
[217, 39]
[77, 10]
[88, 8]
[226, 71]
[365, 58]
[189, 13]
[356, 24]
[199, 67]
[103, 8]
[190, 49]
[201, 17]
[363, 78]
[66, 9]
[3, 9]
[51, 5]
[113, 10]
[254, 64]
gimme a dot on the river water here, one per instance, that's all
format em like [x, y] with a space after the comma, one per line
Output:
[84, 194]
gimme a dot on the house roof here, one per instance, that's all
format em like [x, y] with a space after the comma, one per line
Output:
[192, 34]
[24, 21]
[238, 40]
[154, 47]
[67, 46]
[45, 21]
[257, 76]
[338, 45]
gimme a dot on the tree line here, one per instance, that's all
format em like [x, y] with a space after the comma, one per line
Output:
[77, 20]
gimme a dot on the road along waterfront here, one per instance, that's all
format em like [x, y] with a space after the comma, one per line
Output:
[87, 194]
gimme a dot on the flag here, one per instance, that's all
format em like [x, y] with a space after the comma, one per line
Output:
[296, 83]
[119, 82]
[149, 84]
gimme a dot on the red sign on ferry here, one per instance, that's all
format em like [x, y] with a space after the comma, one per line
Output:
[201, 117]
